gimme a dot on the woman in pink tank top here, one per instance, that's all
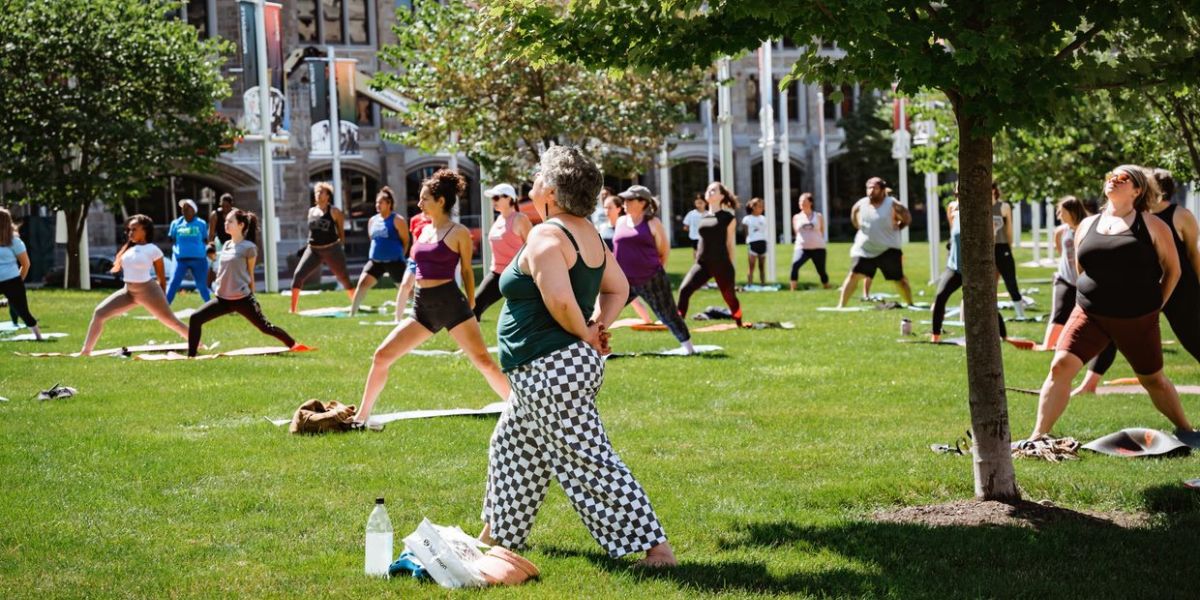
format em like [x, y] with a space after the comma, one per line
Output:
[506, 237]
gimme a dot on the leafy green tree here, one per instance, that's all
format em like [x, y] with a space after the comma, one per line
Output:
[460, 71]
[1000, 64]
[101, 97]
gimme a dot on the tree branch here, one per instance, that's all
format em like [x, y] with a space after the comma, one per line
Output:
[1079, 42]
[1189, 134]
[824, 9]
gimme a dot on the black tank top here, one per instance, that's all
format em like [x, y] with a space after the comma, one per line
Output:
[322, 230]
[714, 235]
[1121, 273]
[1188, 284]
[222, 236]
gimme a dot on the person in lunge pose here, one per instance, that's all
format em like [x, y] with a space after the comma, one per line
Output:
[1071, 212]
[190, 234]
[879, 219]
[714, 257]
[140, 263]
[326, 237]
[641, 249]
[14, 266]
[756, 240]
[389, 239]
[808, 226]
[506, 236]
[442, 246]
[1128, 268]
[951, 280]
[1006, 267]
[561, 291]
[235, 283]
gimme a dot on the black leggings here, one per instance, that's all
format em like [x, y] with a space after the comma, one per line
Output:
[18, 303]
[951, 282]
[1008, 271]
[247, 307]
[818, 258]
[700, 273]
[312, 259]
[487, 294]
[1183, 313]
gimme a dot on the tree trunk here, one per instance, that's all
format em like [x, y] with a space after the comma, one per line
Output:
[76, 217]
[994, 476]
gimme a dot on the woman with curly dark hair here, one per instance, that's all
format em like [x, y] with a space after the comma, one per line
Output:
[438, 304]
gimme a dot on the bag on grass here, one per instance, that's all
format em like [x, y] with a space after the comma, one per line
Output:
[447, 554]
[316, 417]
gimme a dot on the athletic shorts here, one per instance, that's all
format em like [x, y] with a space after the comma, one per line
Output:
[890, 262]
[1138, 339]
[1064, 302]
[694, 243]
[758, 248]
[441, 307]
[377, 269]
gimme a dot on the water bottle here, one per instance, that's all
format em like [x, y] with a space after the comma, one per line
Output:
[905, 327]
[379, 541]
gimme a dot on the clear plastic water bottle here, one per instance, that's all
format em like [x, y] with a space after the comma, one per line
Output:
[379, 541]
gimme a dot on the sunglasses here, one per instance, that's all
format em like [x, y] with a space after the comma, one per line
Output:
[1116, 178]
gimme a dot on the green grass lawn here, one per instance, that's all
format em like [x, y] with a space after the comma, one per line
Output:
[164, 480]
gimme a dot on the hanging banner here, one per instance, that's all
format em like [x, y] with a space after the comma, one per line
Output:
[273, 25]
[347, 108]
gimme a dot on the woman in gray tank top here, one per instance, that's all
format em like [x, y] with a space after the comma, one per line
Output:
[1006, 267]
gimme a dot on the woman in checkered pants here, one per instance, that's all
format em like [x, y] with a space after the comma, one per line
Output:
[552, 353]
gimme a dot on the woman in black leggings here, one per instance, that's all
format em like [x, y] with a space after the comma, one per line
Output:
[1006, 267]
[1183, 309]
[714, 257]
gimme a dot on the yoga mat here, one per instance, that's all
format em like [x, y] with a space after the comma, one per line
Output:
[388, 323]
[494, 408]
[1137, 389]
[1031, 392]
[288, 293]
[648, 327]
[181, 315]
[254, 351]
[1021, 343]
[700, 349]
[845, 308]
[29, 337]
[619, 323]
[7, 326]
[760, 288]
[957, 341]
[945, 323]
[332, 312]
[180, 346]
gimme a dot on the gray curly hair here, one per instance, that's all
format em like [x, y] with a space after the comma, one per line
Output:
[575, 178]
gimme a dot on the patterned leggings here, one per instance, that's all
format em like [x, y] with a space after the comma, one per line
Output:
[551, 428]
[657, 293]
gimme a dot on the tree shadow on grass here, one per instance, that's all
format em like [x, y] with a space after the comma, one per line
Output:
[1059, 552]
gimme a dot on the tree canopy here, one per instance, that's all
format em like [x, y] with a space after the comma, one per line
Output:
[460, 70]
[102, 96]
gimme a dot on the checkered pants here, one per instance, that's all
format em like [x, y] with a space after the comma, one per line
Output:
[657, 293]
[551, 428]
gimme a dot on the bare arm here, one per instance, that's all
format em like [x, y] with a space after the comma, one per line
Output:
[23, 261]
[462, 243]
[730, 236]
[161, 273]
[614, 291]
[402, 229]
[521, 226]
[660, 240]
[854, 216]
[1058, 236]
[903, 217]
[545, 260]
[820, 224]
[1168, 256]
[1189, 231]
[212, 227]
[339, 219]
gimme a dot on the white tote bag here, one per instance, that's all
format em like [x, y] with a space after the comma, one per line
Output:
[448, 554]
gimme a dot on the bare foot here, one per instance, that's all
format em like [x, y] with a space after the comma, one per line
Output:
[485, 536]
[1083, 389]
[659, 557]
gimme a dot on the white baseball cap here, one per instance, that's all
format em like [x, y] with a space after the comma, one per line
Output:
[502, 189]
[186, 202]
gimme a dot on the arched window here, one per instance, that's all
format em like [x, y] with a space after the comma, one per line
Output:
[161, 203]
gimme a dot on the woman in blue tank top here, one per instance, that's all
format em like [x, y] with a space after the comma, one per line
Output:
[561, 291]
[389, 240]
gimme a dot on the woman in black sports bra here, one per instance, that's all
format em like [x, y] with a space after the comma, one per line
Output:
[714, 257]
[326, 236]
[1128, 267]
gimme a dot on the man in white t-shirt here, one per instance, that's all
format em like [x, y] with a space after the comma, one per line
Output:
[691, 222]
[879, 219]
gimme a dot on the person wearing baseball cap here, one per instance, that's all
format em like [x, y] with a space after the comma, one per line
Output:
[190, 236]
[505, 238]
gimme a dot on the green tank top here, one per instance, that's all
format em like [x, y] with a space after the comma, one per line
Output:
[526, 329]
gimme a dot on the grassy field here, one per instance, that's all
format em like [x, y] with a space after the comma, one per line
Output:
[765, 465]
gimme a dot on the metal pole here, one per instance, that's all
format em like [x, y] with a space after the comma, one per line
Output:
[706, 106]
[933, 226]
[335, 130]
[822, 159]
[903, 171]
[664, 193]
[270, 264]
[1050, 228]
[1037, 230]
[785, 159]
[485, 222]
[766, 119]
[1017, 225]
[724, 99]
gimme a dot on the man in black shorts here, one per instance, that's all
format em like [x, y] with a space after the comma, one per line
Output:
[879, 219]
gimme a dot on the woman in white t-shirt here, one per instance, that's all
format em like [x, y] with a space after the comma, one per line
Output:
[756, 239]
[142, 264]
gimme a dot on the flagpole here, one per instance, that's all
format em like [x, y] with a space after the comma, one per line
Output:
[270, 264]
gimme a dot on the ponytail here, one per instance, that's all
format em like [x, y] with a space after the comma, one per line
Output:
[249, 223]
